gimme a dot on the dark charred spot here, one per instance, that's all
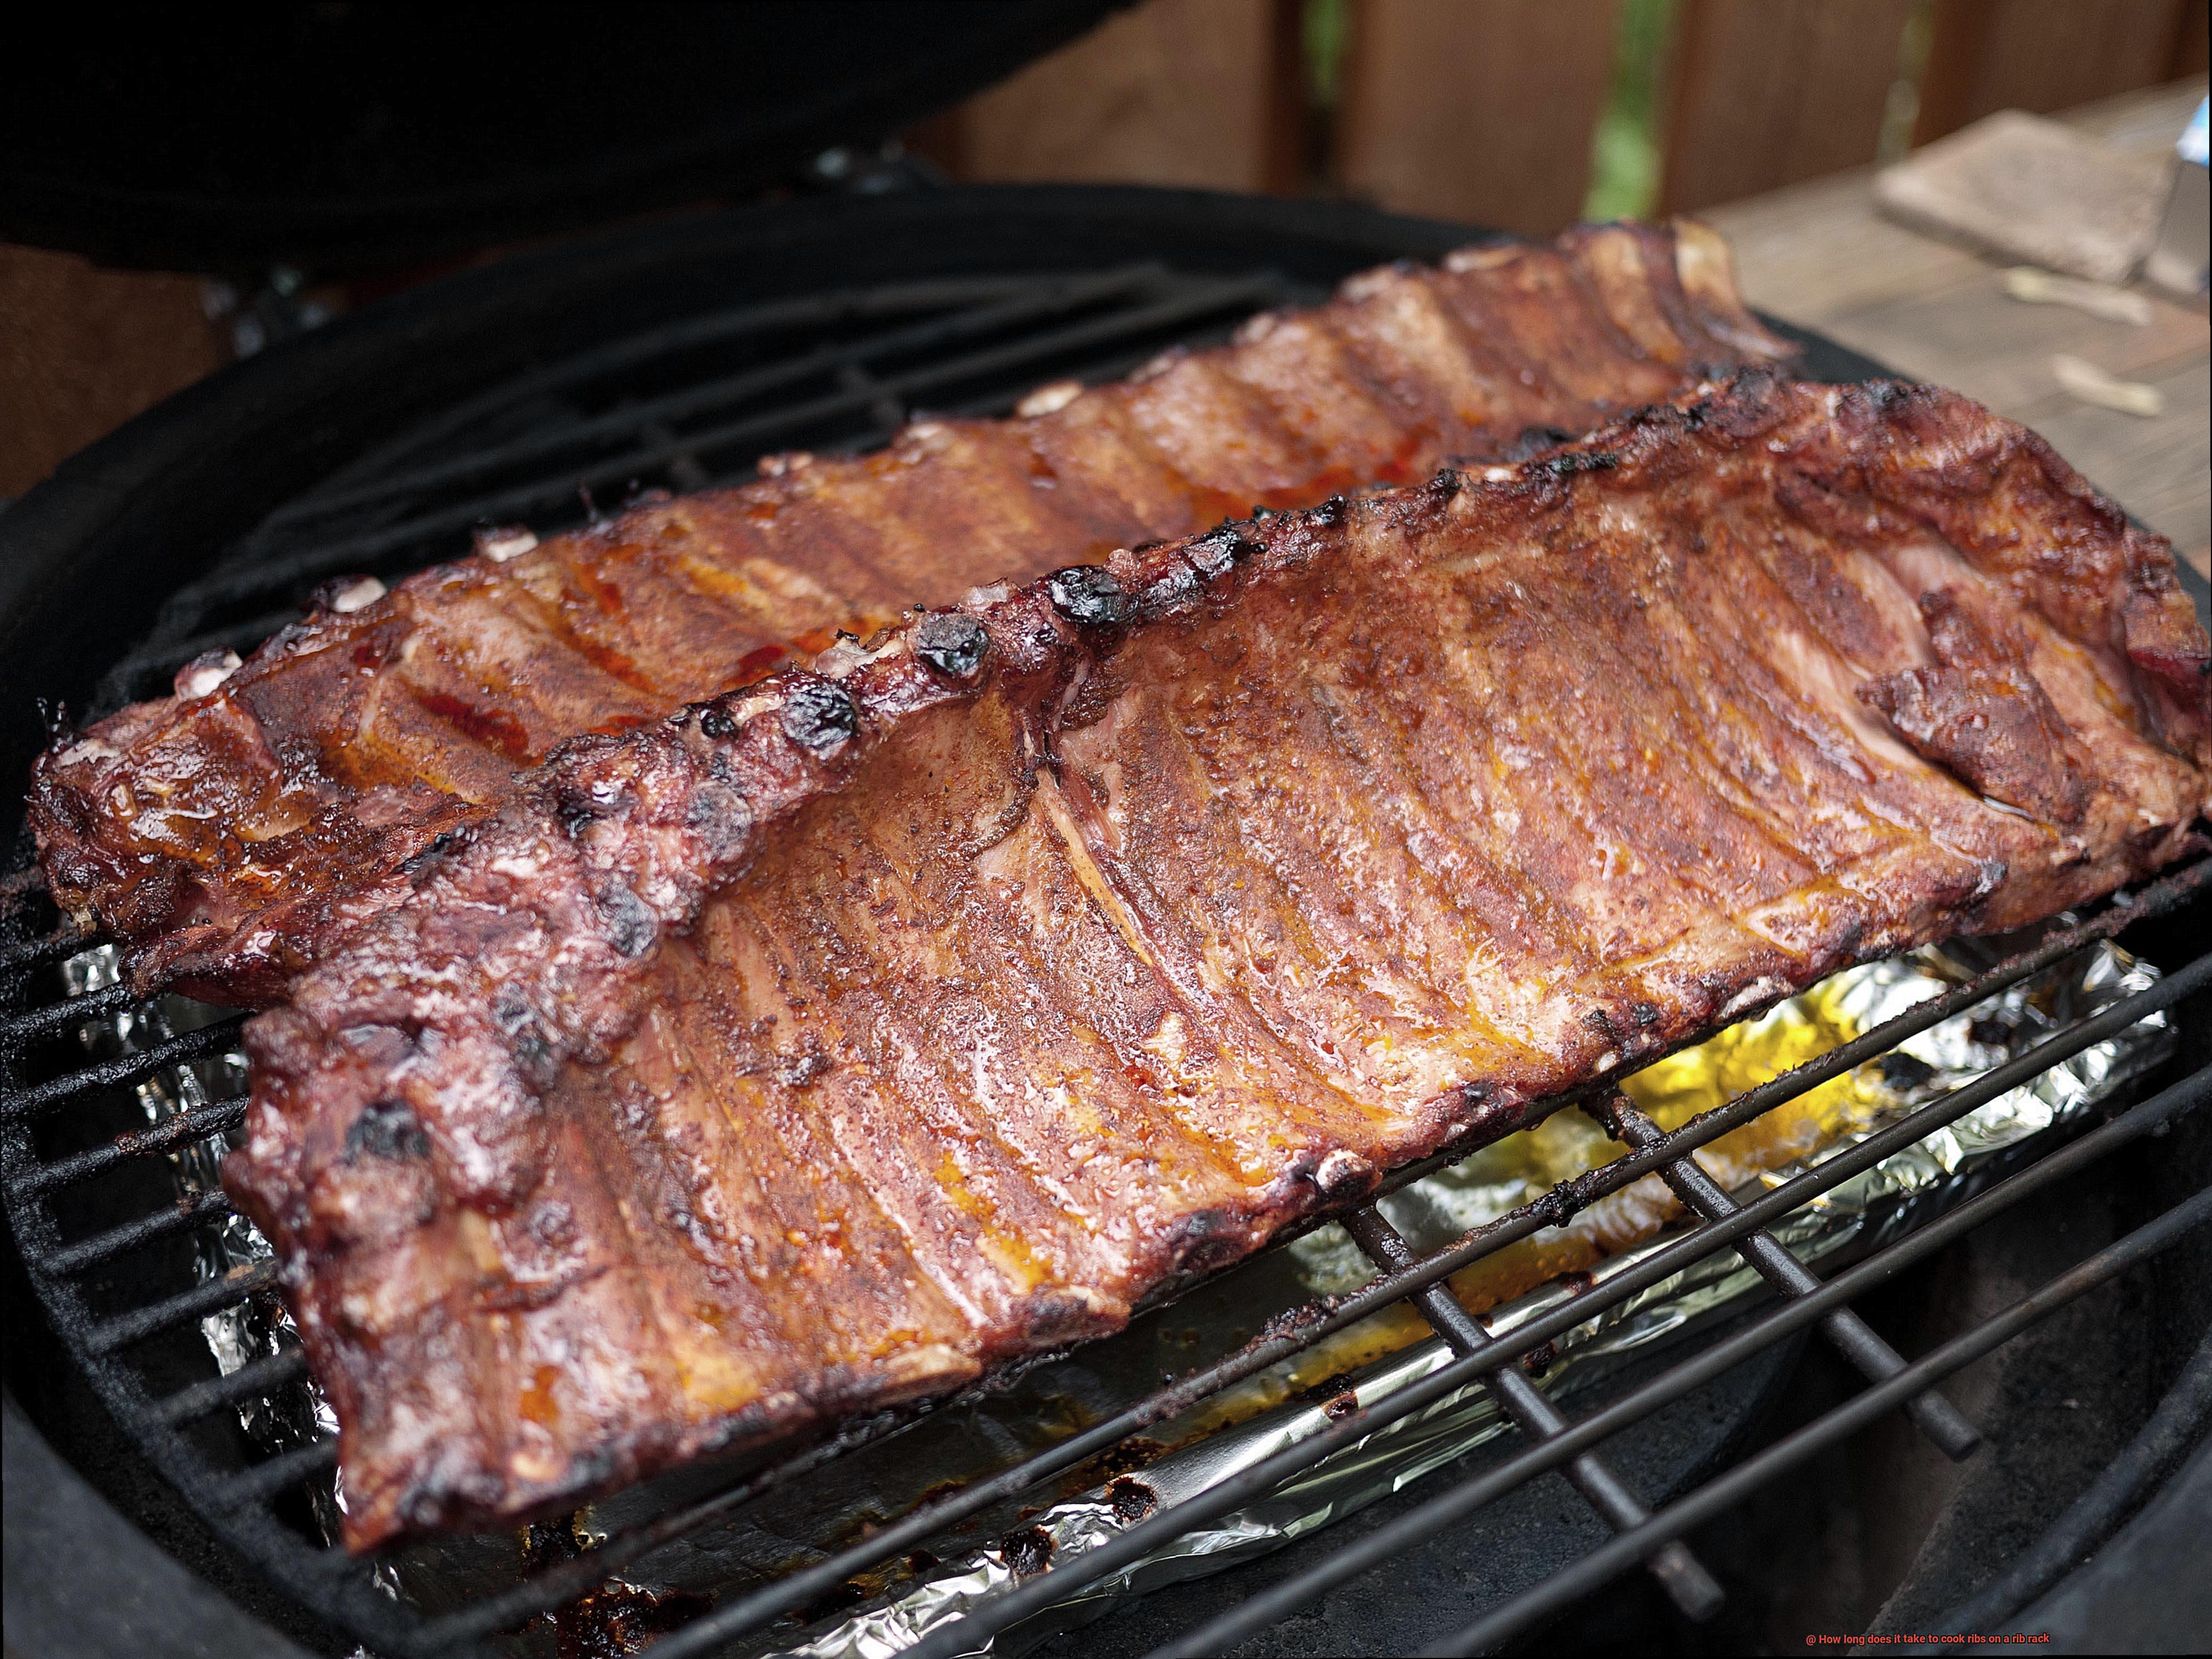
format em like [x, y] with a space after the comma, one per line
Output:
[1220, 548]
[714, 722]
[1537, 1361]
[1028, 1552]
[1338, 1407]
[798, 1070]
[1905, 1072]
[631, 927]
[1580, 460]
[441, 844]
[1131, 1454]
[1601, 1022]
[1262, 512]
[1448, 482]
[534, 1057]
[387, 1128]
[1330, 514]
[511, 1010]
[953, 643]
[1535, 440]
[578, 807]
[1087, 595]
[620, 1619]
[1132, 1500]
[1205, 1239]
[1645, 1014]
[721, 817]
[920, 1561]
[820, 716]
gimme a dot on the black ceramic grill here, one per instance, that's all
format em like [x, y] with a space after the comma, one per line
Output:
[111, 1228]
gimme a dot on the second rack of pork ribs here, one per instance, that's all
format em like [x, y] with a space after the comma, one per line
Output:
[830, 1043]
[212, 832]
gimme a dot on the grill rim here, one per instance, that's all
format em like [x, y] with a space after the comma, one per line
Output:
[1443, 237]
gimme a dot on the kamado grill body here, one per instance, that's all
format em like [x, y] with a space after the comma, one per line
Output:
[670, 355]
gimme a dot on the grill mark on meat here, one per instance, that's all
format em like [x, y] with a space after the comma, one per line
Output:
[978, 986]
[374, 731]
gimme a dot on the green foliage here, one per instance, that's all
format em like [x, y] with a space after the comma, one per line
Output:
[1324, 26]
[1626, 149]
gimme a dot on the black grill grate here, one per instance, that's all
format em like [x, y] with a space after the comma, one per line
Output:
[108, 1241]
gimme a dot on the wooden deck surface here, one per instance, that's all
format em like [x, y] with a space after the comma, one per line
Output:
[1819, 255]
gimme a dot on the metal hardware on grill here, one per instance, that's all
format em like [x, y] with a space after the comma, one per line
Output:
[833, 371]
[1875, 1360]
[1691, 1588]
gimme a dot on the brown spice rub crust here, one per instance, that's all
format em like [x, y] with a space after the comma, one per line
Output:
[830, 1043]
[212, 833]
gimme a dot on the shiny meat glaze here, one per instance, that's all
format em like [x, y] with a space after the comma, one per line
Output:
[210, 831]
[828, 1044]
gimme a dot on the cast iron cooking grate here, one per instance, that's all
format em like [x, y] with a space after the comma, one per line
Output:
[109, 1243]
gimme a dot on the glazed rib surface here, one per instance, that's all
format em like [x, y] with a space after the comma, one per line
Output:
[866, 1028]
[213, 832]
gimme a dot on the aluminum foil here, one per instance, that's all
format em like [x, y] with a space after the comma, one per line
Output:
[1292, 1401]
[255, 1329]
[1869, 1209]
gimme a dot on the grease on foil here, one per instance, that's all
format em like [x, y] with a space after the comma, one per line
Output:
[1294, 1399]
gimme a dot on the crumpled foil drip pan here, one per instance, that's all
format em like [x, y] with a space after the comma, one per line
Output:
[1238, 1428]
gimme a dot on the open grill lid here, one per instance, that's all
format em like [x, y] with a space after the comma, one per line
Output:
[345, 137]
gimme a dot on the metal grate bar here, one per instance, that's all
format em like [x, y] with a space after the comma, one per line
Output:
[196, 1211]
[237, 1285]
[179, 1129]
[1269, 1607]
[242, 637]
[124, 1068]
[1003, 312]
[750, 1612]
[818, 310]
[249, 1381]
[1593, 1570]
[57, 946]
[15, 1030]
[1872, 1359]
[1679, 1573]
[286, 1469]
[289, 568]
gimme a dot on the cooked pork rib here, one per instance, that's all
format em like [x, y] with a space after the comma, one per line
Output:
[826, 1044]
[210, 831]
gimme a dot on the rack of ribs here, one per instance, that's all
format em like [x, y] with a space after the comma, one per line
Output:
[830, 1042]
[212, 832]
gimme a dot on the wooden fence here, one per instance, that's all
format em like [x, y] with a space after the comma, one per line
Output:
[1485, 110]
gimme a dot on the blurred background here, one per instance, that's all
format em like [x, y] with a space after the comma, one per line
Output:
[1521, 114]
